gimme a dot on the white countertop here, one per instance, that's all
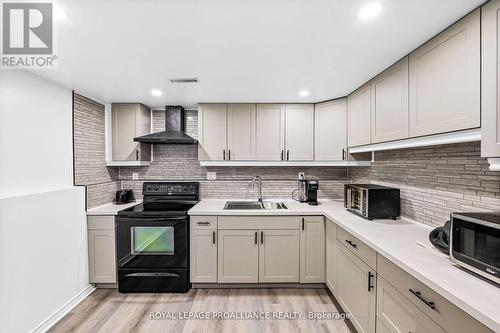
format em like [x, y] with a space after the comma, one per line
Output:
[397, 241]
[111, 208]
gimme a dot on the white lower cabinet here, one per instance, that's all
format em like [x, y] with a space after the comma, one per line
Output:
[279, 256]
[101, 245]
[238, 256]
[330, 248]
[356, 283]
[312, 250]
[398, 314]
[203, 250]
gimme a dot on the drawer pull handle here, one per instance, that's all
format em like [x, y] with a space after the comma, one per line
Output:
[351, 243]
[203, 223]
[213, 237]
[370, 286]
[418, 294]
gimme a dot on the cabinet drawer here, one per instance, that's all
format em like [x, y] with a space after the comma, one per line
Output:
[203, 222]
[259, 222]
[439, 309]
[398, 314]
[101, 222]
[360, 249]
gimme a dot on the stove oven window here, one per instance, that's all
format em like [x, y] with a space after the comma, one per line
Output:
[153, 240]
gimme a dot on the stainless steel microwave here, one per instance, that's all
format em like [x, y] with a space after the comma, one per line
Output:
[372, 201]
[475, 243]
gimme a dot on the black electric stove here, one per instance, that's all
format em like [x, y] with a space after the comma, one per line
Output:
[153, 239]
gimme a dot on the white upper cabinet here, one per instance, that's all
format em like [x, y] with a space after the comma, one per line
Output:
[445, 80]
[330, 130]
[299, 132]
[358, 117]
[130, 120]
[490, 126]
[389, 103]
[270, 132]
[240, 132]
[212, 120]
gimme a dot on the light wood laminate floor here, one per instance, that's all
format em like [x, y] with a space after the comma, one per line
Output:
[106, 310]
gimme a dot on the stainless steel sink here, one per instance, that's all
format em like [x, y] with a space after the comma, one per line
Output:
[273, 205]
[242, 205]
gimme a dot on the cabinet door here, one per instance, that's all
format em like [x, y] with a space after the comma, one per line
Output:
[241, 132]
[312, 250]
[238, 256]
[102, 257]
[398, 314]
[445, 80]
[358, 117]
[330, 130]
[299, 129]
[203, 255]
[389, 98]
[331, 244]
[124, 120]
[279, 256]
[212, 121]
[353, 291]
[490, 125]
[270, 132]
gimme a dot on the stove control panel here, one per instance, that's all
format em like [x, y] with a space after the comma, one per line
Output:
[161, 188]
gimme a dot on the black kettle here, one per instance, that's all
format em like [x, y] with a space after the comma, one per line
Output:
[124, 197]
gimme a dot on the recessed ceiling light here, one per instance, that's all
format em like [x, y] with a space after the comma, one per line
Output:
[304, 93]
[60, 14]
[370, 10]
[156, 92]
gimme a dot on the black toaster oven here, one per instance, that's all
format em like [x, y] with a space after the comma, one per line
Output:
[372, 201]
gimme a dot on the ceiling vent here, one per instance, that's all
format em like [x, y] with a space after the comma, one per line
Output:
[185, 80]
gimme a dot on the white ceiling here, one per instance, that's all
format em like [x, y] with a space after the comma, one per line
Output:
[241, 51]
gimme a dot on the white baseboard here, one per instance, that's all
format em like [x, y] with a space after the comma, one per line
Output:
[63, 310]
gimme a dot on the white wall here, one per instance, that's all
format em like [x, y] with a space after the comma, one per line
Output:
[43, 256]
[43, 238]
[35, 135]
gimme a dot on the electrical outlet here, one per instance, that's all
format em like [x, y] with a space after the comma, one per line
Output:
[302, 175]
[135, 176]
[211, 175]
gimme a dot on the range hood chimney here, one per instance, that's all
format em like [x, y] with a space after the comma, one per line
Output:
[174, 129]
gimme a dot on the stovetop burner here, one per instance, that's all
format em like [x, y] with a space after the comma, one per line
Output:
[140, 211]
[165, 199]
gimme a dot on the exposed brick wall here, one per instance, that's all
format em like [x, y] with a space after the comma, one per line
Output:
[436, 181]
[90, 152]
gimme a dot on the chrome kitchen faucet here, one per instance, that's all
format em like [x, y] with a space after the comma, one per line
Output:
[257, 178]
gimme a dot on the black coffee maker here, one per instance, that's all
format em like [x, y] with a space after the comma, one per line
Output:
[312, 187]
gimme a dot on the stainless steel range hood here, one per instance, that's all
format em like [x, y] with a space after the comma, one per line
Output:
[174, 129]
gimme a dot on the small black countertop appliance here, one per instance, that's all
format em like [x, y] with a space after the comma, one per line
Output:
[124, 197]
[372, 201]
[153, 239]
[312, 187]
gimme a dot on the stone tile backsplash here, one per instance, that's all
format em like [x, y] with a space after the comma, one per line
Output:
[180, 163]
[90, 152]
[436, 181]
